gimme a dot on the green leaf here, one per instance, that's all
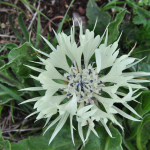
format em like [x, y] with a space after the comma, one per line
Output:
[61, 25]
[4, 143]
[24, 54]
[141, 109]
[114, 27]
[14, 95]
[139, 19]
[7, 77]
[129, 145]
[23, 27]
[14, 29]
[62, 141]
[104, 142]
[37, 43]
[9, 46]
[141, 13]
[95, 13]
[143, 135]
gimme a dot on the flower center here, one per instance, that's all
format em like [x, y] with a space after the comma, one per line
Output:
[83, 84]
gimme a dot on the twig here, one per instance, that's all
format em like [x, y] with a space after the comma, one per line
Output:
[34, 16]
[5, 35]
[22, 130]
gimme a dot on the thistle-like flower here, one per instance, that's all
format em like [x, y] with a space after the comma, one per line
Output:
[84, 86]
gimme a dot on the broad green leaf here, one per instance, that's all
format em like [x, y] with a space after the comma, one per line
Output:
[142, 108]
[14, 29]
[95, 13]
[24, 52]
[62, 141]
[113, 28]
[23, 27]
[129, 145]
[4, 143]
[104, 142]
[9, 46]
[143, 135]
[7, 77]
[141, 13]
[139, 19]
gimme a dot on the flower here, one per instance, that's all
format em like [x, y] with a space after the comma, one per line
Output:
[84, 85]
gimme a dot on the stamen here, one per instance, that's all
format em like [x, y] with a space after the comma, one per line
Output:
[78, 87]
[91, 81]
[68, 94]
[101, 91]
[62, 71]
[83, 66]
[74, 75]
[71, 84]
[91, 62]
[60, 89]
[89, 71]
[81, 96]
[81, 83]
[100, 83]
[81, 77]
[73, 64]
[91, 91]
[68, 77]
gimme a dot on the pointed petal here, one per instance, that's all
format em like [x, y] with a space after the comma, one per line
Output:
[59, 126]
[31, 100]
[34, 68]
[124, 114]
[98, 60]
[49, 44]
[41, 52]
[32, 89]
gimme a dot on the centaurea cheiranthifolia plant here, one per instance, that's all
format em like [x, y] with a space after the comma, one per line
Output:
[84, 84]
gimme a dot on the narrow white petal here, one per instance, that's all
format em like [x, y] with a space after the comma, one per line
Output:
[128, 66]
[31, 100]
[58, 118]
[34, 68]
[131, 109]
[88, 133]
[41, 52]
[71, 127]
[88, 114]
[32, 114]
[138, 81]
[49, 44]
[98, 60]
[71, 107]
[32, 89]
[59, 126]
[48, 119]
[136, 74]
[125, 114]
[93, 131]
[81, 132]
[34, 77]
[37, 62]
[105, 126]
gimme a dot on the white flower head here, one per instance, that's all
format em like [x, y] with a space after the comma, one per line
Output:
[83, 82]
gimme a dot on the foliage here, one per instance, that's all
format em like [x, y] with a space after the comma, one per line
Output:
[14, 76]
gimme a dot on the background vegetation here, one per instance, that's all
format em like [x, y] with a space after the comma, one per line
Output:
[131, 17]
